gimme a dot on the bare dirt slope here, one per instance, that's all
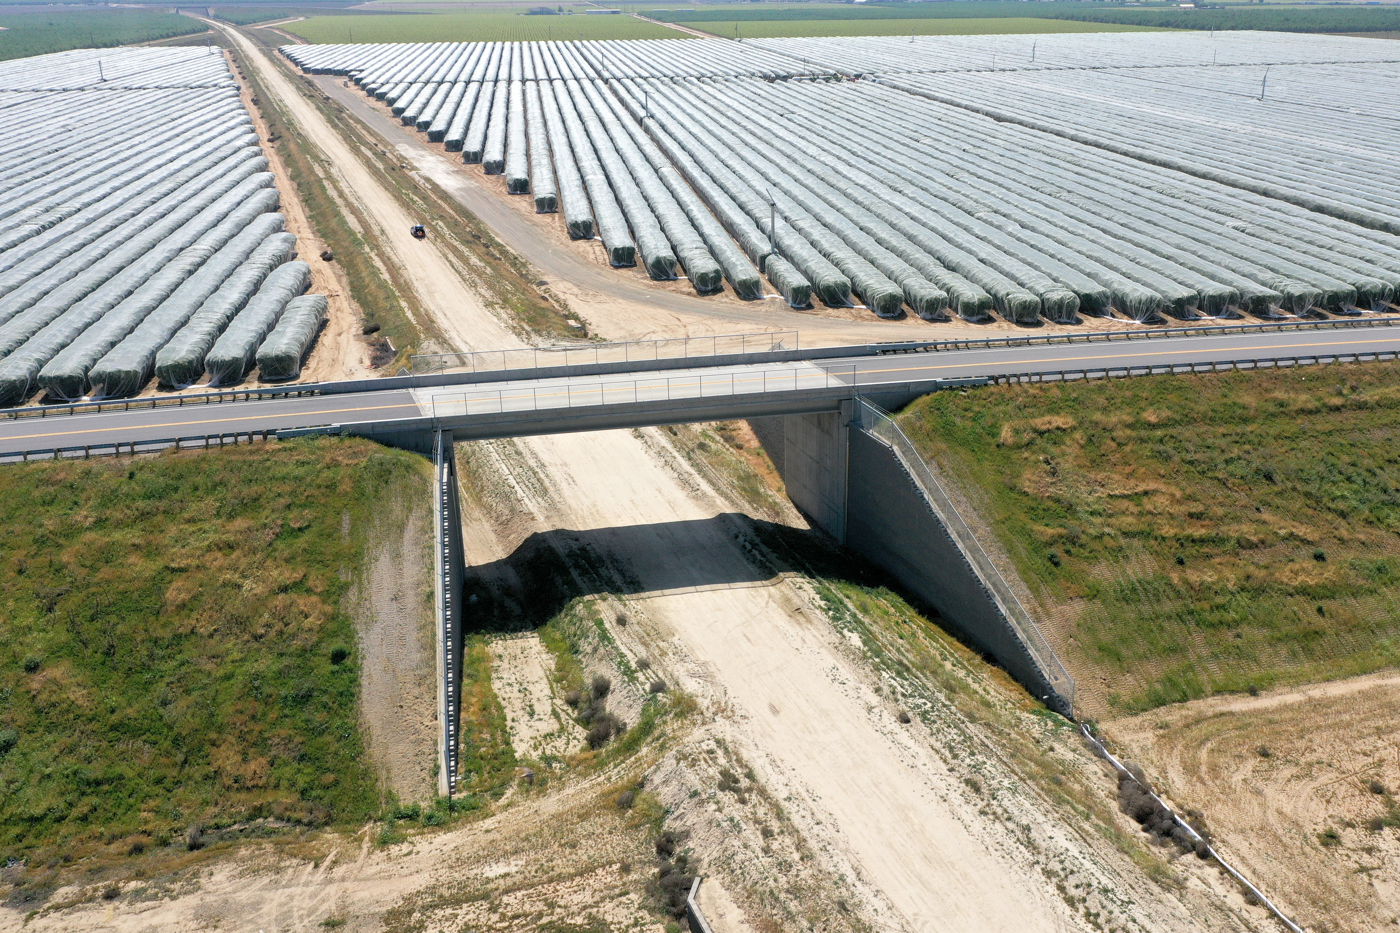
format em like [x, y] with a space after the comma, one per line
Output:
[1285, 780]
[878, 800]
[393, 611]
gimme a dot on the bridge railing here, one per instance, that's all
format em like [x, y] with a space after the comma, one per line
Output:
[877, 422]
[677, 348]
[684, 385]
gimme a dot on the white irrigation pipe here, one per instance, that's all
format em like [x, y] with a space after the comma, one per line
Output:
[1118, 766]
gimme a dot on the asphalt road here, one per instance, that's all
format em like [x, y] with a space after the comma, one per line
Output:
[868, 372]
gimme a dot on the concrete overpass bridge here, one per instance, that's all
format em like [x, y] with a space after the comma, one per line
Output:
[819, 413]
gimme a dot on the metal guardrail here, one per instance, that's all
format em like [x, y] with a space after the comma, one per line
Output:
[159, 401]
[878, 423]
[1144, 333]
[443, 472]
[692, 385]
[1157, 369]
[598, 353]
[132, 448]
[1123, 771]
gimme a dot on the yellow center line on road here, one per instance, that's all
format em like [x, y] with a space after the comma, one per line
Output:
[181, 424]
[619, 387]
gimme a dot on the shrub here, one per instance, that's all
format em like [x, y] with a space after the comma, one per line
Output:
[625, 800]
[1181, 560]
[194, 838]
[1329, 837]
[1253, 690]
[1376, 787]
[1319, 555]
[410, 812]
[1053, 558]
[658, 686]
[9, 738]
[572, 698]
[137, 846]
[603, 729]
[622, 619]
[32, 663]
[643, 664]
[600, 687]
[111, 892]
[1265, 752]
[432, 818]
[904, 717]
[338, 655]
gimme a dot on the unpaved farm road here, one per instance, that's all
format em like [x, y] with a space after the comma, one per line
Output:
[440, 290]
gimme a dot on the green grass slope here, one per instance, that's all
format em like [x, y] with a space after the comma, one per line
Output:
[1186, 535]
[172, 645]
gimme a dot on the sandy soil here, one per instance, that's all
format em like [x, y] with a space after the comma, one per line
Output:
[1325, 744]
[520, 669]
[394, 617]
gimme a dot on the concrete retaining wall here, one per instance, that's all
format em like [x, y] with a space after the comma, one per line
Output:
[450, 566]
[890, 522]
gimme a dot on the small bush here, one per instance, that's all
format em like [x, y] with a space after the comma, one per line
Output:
[573, 697]
[1319, 555]
[622, 619]
[1376, 787]
[1376, 824]
[338, 655]
[111, 892]
[9, 738]
[33, 663]
[1181, 560]
[1053, 558]
[194, 838]
[643, 664]
[603, 729]
[433, 818]
[625, 800]
[1253, 690]
[137, 846]
[410, 812]
[600, 687]
[658, 686]
[1329, 837]
[1265, 752]
[904, 717]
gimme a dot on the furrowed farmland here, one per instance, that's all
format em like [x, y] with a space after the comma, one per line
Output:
[139, 230]
[1017, 176]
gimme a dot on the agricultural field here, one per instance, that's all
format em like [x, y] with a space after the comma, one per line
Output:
[169, 259]
[26, 34]
[1269, 17]
[681, 155]
[932, 26]
[1188, 536]
[475, 27]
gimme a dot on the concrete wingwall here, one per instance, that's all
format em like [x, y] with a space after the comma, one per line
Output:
[854, 485]
[890, 522]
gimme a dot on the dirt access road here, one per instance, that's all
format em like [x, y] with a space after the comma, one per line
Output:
[439, 290]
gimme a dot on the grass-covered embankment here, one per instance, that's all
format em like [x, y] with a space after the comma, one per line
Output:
[173, 648]
[1192, 534]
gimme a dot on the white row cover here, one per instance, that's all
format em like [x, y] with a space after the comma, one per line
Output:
[854, 175]
[136, 210]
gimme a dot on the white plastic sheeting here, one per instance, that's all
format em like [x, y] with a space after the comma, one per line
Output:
[281, 354]
[113, 238]
[235, 352]
[869, 168]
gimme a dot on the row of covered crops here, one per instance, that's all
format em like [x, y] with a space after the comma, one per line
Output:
[712, 159]
[139, 230]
